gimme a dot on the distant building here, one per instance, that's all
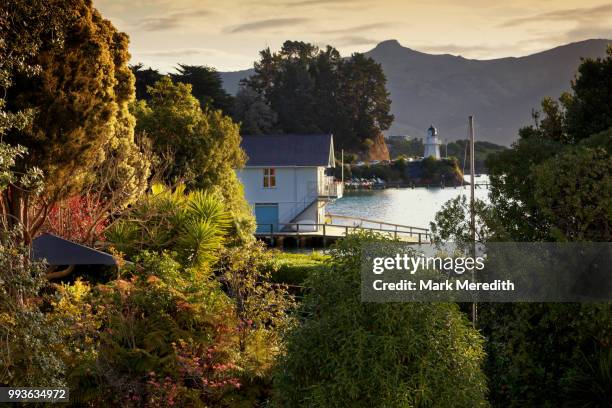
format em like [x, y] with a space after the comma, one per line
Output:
[432, 144]
[289, 179]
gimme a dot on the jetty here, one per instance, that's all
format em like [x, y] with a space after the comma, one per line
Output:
[335, 227]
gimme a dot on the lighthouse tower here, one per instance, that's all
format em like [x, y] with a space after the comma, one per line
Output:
[432, 144]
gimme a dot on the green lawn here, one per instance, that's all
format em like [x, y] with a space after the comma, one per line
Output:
[295, 267]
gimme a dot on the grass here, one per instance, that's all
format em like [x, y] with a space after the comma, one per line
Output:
[294, 268]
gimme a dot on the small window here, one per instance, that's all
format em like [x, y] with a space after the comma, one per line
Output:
[269, 180]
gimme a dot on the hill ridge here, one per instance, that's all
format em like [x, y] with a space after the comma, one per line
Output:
[444, 89]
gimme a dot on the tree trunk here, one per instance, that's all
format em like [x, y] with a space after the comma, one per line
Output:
[15, 207]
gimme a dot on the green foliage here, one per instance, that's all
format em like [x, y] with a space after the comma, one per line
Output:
[316, 91]
[200, 148]
[410, 148]
[574, 191]
[80, 94]
[165, 334]
[589, 108]
[350, 353]
[253, 113]
[30, 338]
[364, 101]
[538, 353]
[206, 86]
[264, 310]
[578, 117]
[30, 181]
[295, 268]
[190, 228]
[167, 337]
[589, 383]
[382, 171]
[512, 189]
[443, 169]
[194, 225]
[552, 185]
[67, 64]
[144, 79]
[482, 150]
[452, 222]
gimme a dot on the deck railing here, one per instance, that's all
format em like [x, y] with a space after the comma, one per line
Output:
[367, 223]
[326, 230]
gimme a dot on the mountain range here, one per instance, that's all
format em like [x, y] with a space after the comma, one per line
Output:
[444, 89]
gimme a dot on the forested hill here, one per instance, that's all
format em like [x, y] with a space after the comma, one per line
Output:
[445, 89]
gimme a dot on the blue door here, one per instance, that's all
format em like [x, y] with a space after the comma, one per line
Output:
[266, 216]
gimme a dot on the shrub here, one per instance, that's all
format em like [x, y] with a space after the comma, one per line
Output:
[294, 269]
[30, 339]
[264, 311]
[81, 219]
[168, 336]
[537, 352]
[193, 225]
[350, 353]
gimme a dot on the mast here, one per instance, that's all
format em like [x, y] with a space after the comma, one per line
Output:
[472, 209]
[342, 169]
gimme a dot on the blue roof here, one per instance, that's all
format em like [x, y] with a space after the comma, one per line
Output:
[289, 150]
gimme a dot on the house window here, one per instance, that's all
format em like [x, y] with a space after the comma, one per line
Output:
[269, 180]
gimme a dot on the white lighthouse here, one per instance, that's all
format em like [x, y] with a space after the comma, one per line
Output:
[432, 144]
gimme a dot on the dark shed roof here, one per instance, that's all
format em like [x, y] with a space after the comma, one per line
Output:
[60, 251]
[289, 150]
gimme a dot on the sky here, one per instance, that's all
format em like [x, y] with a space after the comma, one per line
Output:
[229, 34]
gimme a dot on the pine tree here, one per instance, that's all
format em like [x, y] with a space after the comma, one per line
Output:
[206, 86]
[79, 87]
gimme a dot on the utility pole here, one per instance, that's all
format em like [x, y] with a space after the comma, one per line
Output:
[472, 210]
[342, 170]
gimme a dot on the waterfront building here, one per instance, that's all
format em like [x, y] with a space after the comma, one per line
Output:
[289, 179]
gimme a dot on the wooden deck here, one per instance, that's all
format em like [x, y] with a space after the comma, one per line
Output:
[338, 226]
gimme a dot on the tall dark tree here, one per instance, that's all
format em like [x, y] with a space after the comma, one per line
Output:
[314, 90]
[589, 109]
[287, 81]
[206, 86]
[79, 90]
[144, 78]
[364, 99]
[253, 113]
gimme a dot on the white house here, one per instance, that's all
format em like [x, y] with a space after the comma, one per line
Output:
[288, 179]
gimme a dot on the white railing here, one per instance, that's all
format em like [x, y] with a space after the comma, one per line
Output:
[330, 188]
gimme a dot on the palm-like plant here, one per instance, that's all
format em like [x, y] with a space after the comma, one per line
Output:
[193, 225]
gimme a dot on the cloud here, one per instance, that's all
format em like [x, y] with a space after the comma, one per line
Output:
[459, 49]
[583, 31]
[359, 28]
[354, 40]
[171, 20]
[580, 15]
[265, 24]
[176, 52]
[302, 3]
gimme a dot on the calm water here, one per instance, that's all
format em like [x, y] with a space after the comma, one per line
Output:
[414, 207]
